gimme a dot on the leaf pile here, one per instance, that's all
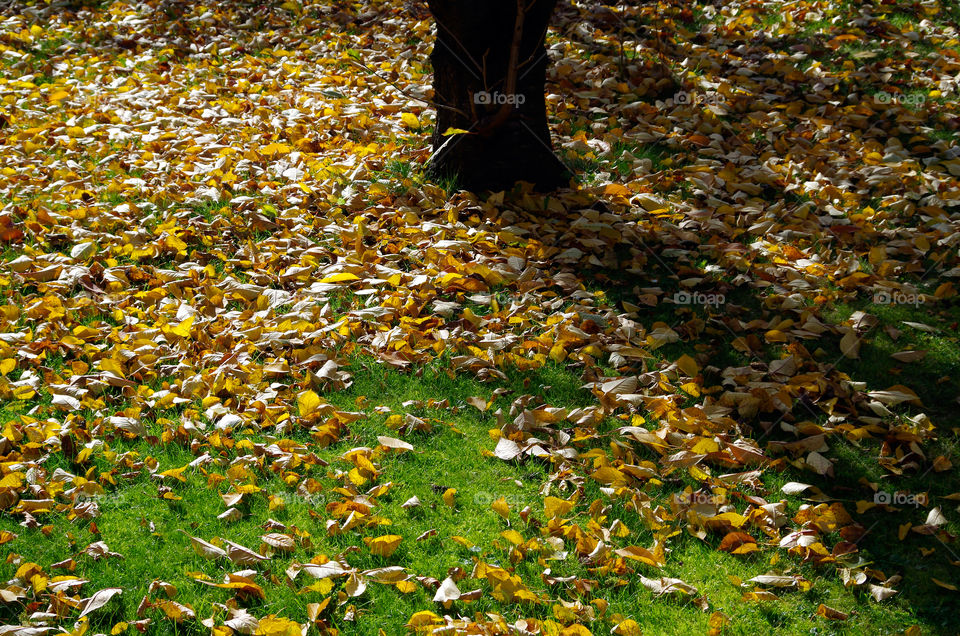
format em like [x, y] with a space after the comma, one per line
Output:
[210, 213]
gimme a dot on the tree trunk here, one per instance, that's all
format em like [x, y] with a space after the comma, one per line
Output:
[489, 70]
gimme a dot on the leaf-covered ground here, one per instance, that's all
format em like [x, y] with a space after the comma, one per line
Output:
[259, 375]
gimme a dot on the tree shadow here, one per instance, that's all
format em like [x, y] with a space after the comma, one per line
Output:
[820, 407]
[748, 236]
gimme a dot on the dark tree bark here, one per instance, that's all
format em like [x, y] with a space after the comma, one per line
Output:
[489, 66]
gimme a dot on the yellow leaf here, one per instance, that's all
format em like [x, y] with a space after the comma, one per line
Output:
[472, 317]
[23, 392]
[11, 480]
[111, 365]
[706, 445]
[182, 329]
[176, 243]
[688, 365]
[718, 620]
[308, 402]
[449, 497]
[501, 507]
[275, 149]
[422, 619]
[247, 588]
[609, 475]
[455, 131]
[628, 627]
[556, 507]
[7, 366]
[277, 626]
[512, 536]
[904, 530]
[177, 611]
[356, 477]
[410, 120]
[726, 518]
[315, 609]
[945, 290]
[342, 277]
[639, 553]
[176, 473]
[692, 388]
[394, 420]
[322, 586]
[618, 190]
[39, 583]
[383, 546]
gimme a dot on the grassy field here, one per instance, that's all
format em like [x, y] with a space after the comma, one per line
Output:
[259, 374]
[149, 531]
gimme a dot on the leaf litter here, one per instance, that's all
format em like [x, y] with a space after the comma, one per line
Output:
[208, 219]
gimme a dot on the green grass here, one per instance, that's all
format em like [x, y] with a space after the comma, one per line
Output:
[149, 530]
[934, 377]
[450, 456]
[587, 167]
[397, 175]
[921, 600]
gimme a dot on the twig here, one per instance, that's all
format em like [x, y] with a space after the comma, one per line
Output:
[405, 93]
[457, 42]
[511, 84]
